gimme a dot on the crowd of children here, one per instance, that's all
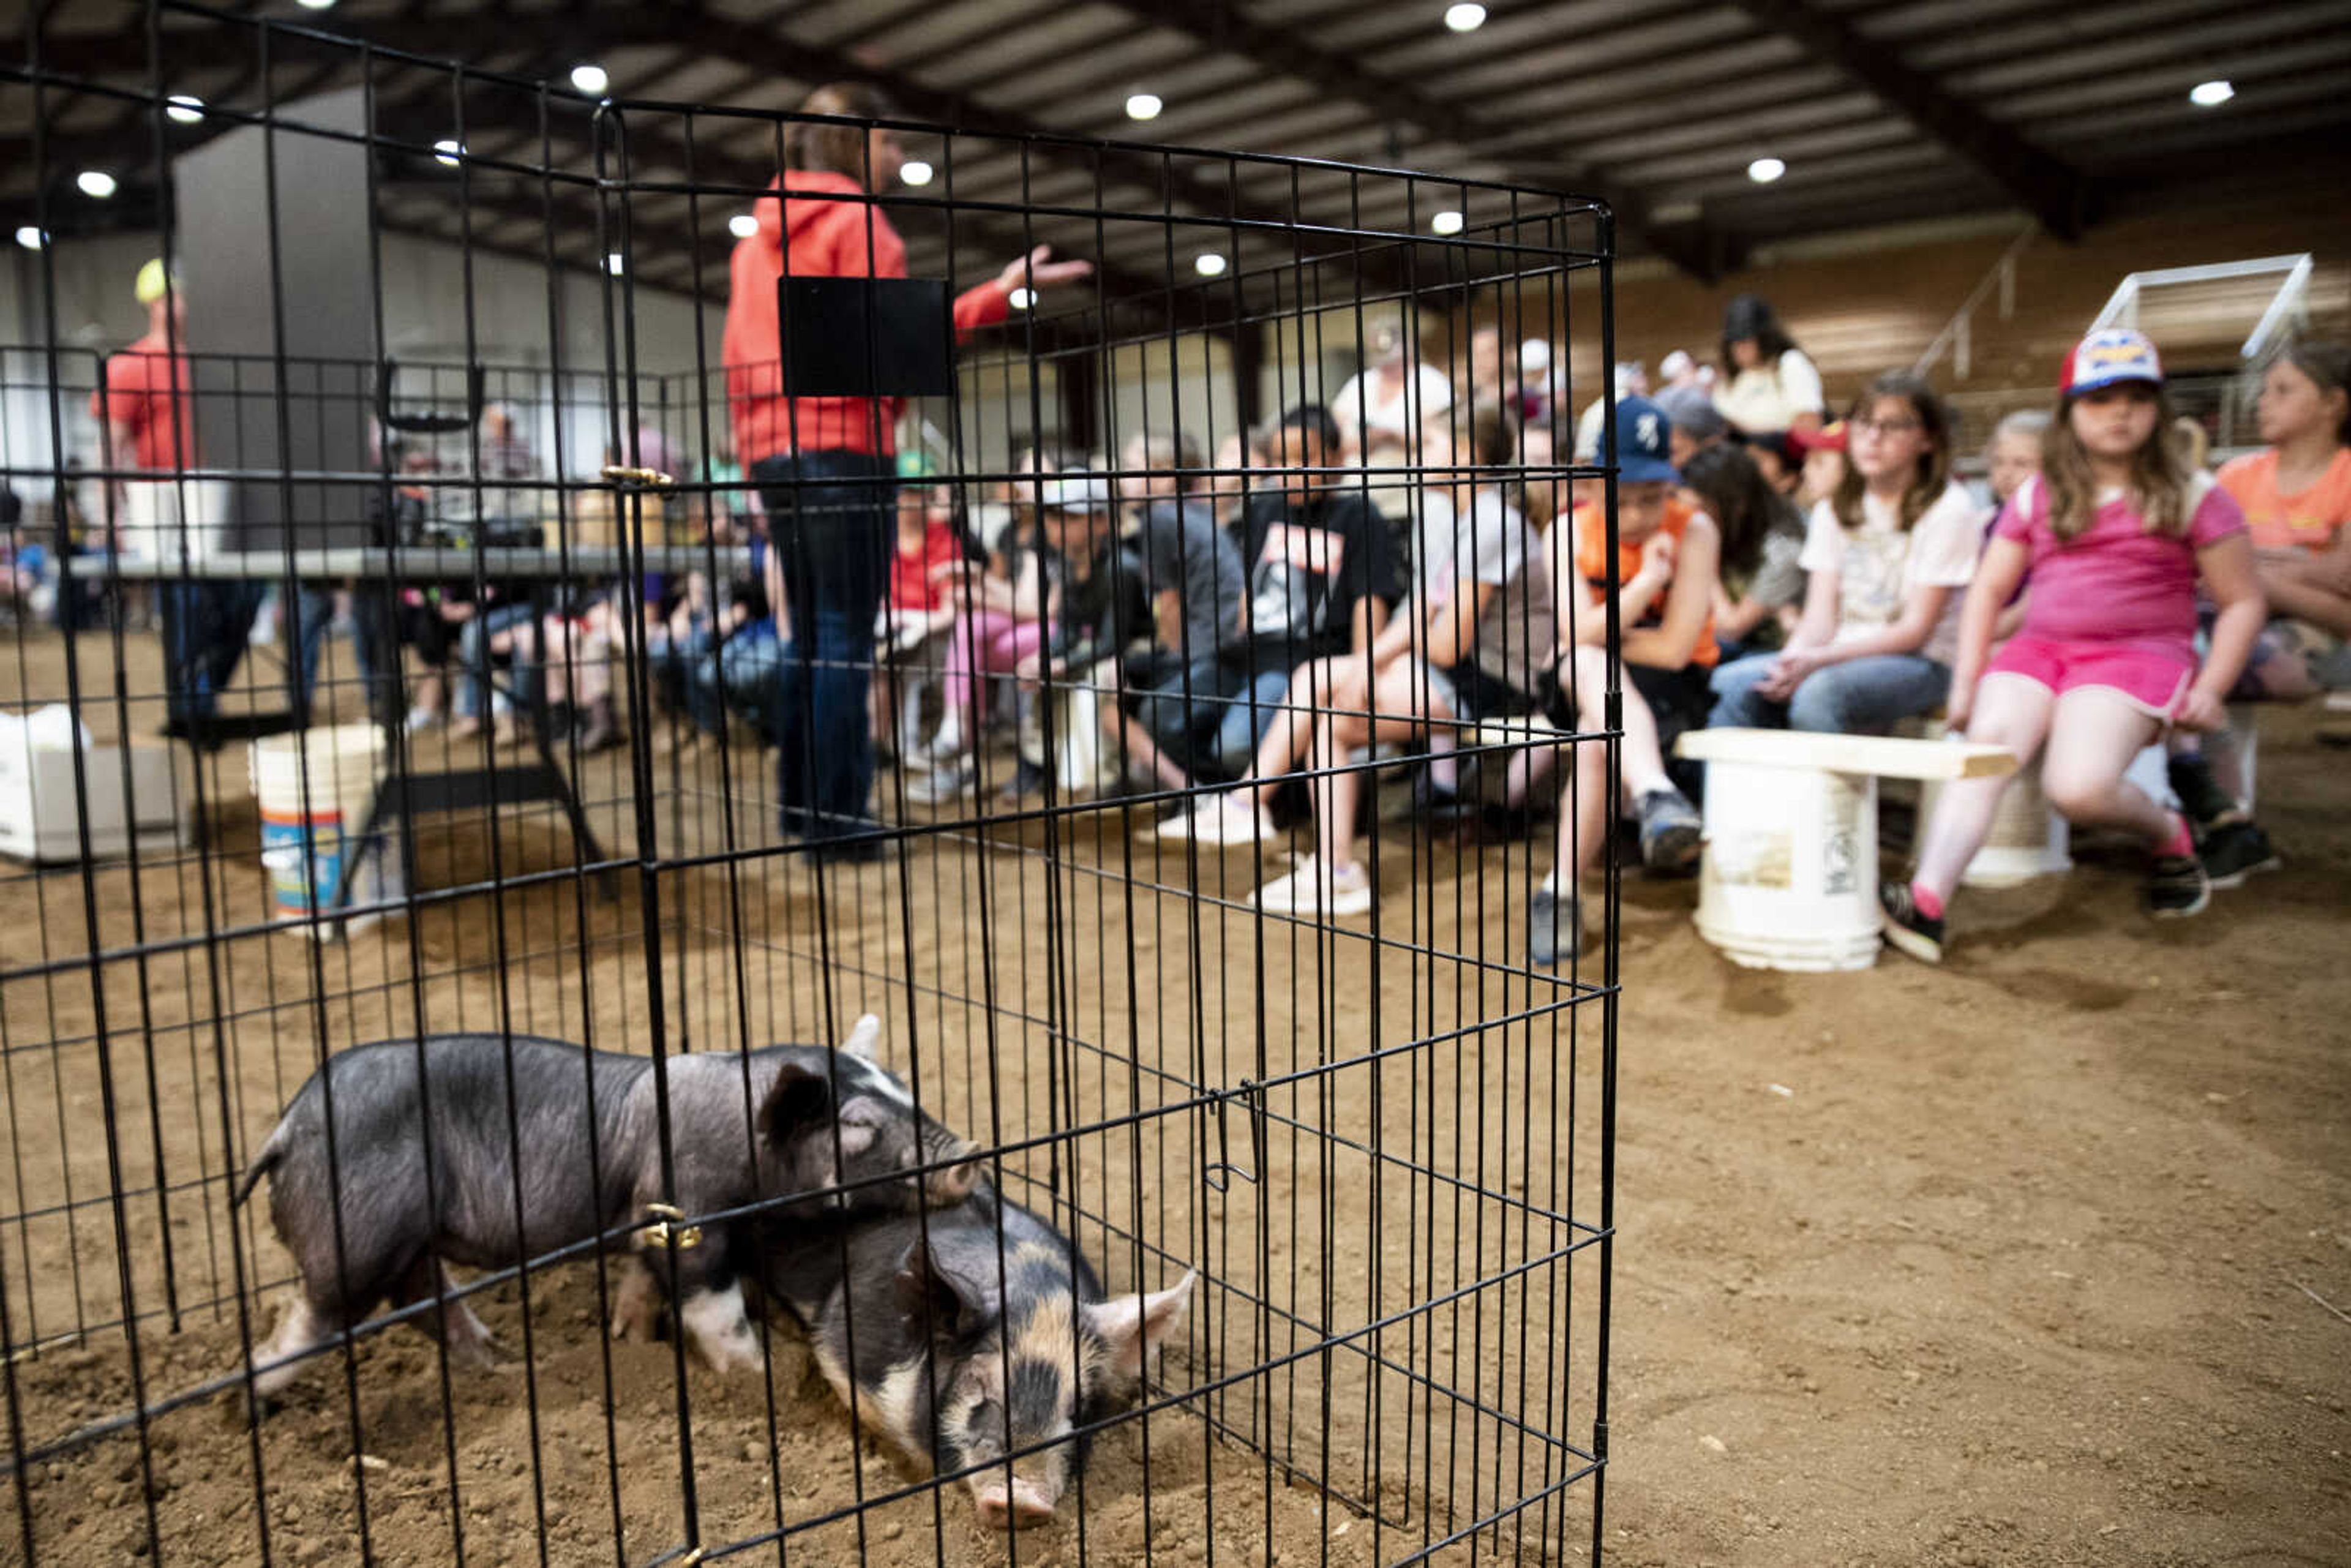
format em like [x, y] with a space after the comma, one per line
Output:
[1384, 575]
[1257, 622]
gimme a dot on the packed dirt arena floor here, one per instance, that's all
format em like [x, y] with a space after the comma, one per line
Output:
[2037, 1259]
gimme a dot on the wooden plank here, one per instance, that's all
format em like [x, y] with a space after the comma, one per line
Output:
[1882, 755]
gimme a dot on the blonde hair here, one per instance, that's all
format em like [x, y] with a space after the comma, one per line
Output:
[1933, 475]
[2159, 479]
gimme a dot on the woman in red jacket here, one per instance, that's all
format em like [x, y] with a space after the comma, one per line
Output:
[826, 465]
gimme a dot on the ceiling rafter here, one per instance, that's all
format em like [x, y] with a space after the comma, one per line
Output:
[1044, 143]
[1221, 25]
[2052, 191]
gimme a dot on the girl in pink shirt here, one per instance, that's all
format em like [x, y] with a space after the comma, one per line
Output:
[2116, 531]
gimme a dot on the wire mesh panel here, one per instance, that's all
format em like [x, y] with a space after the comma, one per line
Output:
[879, 877]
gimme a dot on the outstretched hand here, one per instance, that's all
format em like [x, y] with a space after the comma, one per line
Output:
[1036, 271]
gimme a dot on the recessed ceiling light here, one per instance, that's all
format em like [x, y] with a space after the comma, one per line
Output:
[742, 225]
[30, 237]
[1448, 221]
[447, 154]
[186, 109]
[95, 183]
[316, 4]
[614, 264]
[590, 79]
[1021, 299]
[1465, 17]
[1144, 106]
[914, 172]
[2211, 94]
[1763, 171]
[1209, 264]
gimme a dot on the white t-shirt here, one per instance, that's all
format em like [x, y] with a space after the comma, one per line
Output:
[1362, 408]
[1879, 567]
[1769, 397]
[1517, 632]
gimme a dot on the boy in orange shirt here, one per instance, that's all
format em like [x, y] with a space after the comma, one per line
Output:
[1667, 552]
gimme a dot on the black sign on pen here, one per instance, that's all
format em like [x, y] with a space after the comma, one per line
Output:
[866, 336]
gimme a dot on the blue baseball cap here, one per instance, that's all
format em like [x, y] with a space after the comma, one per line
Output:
[1643, 437]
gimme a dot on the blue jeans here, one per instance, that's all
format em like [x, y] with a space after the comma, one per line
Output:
[205, 624]
[1247, 718]
[831, 517]
[740, 678]
[1858, 695]
[473, 655]
[677, 662]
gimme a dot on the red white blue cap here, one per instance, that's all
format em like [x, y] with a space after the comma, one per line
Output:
[2109, 357]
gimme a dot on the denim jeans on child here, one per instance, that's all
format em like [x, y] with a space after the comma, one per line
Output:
[1858, 695]
[473, 655]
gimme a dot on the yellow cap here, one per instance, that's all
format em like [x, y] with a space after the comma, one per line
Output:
[151, 284]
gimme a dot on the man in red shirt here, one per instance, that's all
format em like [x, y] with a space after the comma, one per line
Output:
[146, 409]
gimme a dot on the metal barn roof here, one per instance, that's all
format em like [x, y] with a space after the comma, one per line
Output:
[1881, 113]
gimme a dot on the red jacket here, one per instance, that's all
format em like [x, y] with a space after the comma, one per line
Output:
[828, 239]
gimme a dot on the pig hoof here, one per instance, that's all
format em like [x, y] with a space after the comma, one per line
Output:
[719, 1329]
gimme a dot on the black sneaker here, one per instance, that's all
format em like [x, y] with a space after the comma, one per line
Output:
[2233, 851]
[1671, 833]
[2177, 887]
[1555, 929]
[1026, 780]
[1914, 933]
[2206, 805]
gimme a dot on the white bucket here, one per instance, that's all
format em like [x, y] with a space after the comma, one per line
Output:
[2028, 838]
[1790, 872]
[310, 839]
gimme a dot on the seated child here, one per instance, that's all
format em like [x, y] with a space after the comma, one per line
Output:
[1668, 550]
[1885, 554]
[1472, 641]
[915, 620]
[2116, 532]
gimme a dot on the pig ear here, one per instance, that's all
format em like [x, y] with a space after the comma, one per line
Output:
[863, 1038]
[952, 1184]
[935, 1297]
[1132, 1327]
[800, 1101]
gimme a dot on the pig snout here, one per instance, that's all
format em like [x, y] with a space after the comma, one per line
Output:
[1016, 1506]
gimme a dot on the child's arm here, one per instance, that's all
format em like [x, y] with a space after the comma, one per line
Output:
[1816, 627]
[1671, 646]
[1735, 618]
[1167, 618]
[1029, 598]
[2313, 588]
[1654, 577]
[1907, 635]
[1452, 626]
[1370, 620]
[2000, 570]
[2227, 564]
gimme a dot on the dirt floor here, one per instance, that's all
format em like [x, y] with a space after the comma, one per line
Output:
[2036, 1258]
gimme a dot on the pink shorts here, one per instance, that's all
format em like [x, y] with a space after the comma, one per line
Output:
[2151, 679]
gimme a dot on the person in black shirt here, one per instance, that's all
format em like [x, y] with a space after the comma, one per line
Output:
[1323, 574]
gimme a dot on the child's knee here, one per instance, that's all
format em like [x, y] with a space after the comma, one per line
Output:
[2076, 792]
[1818, 707]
